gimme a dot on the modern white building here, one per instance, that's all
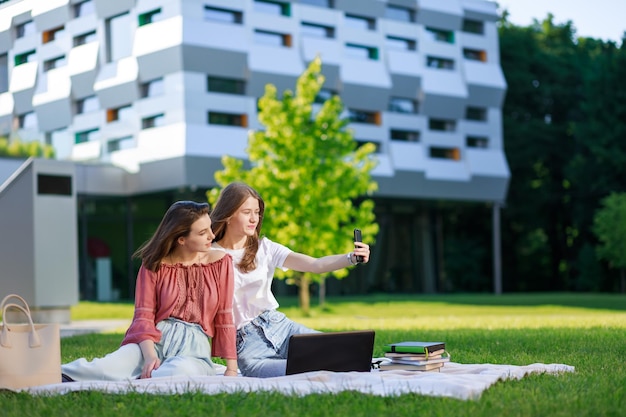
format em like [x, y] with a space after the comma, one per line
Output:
[143, 97]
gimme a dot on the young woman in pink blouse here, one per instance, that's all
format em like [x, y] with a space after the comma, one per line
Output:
[183, 306]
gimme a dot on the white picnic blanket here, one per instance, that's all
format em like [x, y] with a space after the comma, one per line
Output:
[461, 381]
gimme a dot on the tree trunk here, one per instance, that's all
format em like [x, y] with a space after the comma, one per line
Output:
[322, 292]
[303, 294]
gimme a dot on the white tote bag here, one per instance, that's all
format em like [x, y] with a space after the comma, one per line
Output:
[30, 354]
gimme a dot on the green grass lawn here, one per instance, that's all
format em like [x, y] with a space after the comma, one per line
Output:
[587, 331]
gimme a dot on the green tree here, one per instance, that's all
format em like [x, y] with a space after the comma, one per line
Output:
[15, 148]
[312, 176]
[542, 67]
[610, 227]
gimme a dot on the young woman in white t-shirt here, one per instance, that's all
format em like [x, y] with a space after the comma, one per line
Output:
[262, 332]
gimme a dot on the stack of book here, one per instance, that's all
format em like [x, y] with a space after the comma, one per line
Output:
[415, 356]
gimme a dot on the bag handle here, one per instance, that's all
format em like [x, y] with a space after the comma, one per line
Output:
[33, 340]
[8, 297]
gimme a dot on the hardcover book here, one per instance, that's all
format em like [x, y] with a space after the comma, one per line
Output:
[416, 356]
[424, 362]
[407, 367]
[414, 347]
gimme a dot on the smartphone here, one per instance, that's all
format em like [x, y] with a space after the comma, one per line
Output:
[357, 238]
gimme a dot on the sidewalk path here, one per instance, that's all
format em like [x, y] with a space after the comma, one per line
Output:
[94, 326]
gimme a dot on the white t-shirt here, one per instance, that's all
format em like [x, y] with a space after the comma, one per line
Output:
[253, 290]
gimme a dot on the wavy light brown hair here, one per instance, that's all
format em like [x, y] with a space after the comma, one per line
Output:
[229, 201]
[176, 223]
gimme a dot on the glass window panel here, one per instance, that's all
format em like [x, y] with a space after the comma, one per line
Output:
[268, 38]
[400, 44]
[403, 14]
[477, 142]
[84, 8]
[152, 88]
[222, 15]
[4, 73]
[405, 135]
[85, 38]
[272, 7]
[473, 26]
[316, 30]
[402, 105]
[25, 29]
[321, 3]
[226, 85]
[119, 37]
[87, 105]
[360, 22]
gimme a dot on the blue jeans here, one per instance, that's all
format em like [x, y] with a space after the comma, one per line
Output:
[262, 344]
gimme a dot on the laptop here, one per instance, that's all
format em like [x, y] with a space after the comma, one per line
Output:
[333, 351]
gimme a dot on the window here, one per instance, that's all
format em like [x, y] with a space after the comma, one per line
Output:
[153, 121]
[84, 8]
[228, 119]
[402, 105]
[85, 135]
[360, 22]
[477, 142]
[320, 3]
[476, 113]
[272, 7]
[4, 73]
[272, 38]
[150, 17]
[222, 15]
[440, 35]
[152, 88]
[119, 113]
[439, 63]
[403, 14]
[361, 142]
[25, 29]
[323, 95]
[442, 125]
[52, 34]
[87, 105]
[445, 153]
[400, 44]
[226, 85]
[54, 63]
[473, 26]
[24, 57]
[85, 38]
[475, 55]
[316, 30]
[118, 144]
[361, 51]
[118, 37]
[361, 116]
[405, 135]
[27, 121]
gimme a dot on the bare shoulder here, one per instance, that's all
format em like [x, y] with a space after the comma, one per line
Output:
[214, 255]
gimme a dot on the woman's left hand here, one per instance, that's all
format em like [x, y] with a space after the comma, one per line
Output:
[362, 249]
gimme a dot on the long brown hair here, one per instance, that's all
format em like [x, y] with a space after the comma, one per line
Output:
[176, 223]
[229, 201]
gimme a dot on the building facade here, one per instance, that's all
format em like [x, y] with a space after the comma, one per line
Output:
[144, 97]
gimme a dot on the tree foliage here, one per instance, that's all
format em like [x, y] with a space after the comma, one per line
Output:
[564, 140]
[309, 173]
[610, 227]
[15, 148]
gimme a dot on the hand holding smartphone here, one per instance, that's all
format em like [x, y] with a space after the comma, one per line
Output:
[357, 238]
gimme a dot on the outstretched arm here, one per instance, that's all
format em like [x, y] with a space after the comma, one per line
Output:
[305, 263]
